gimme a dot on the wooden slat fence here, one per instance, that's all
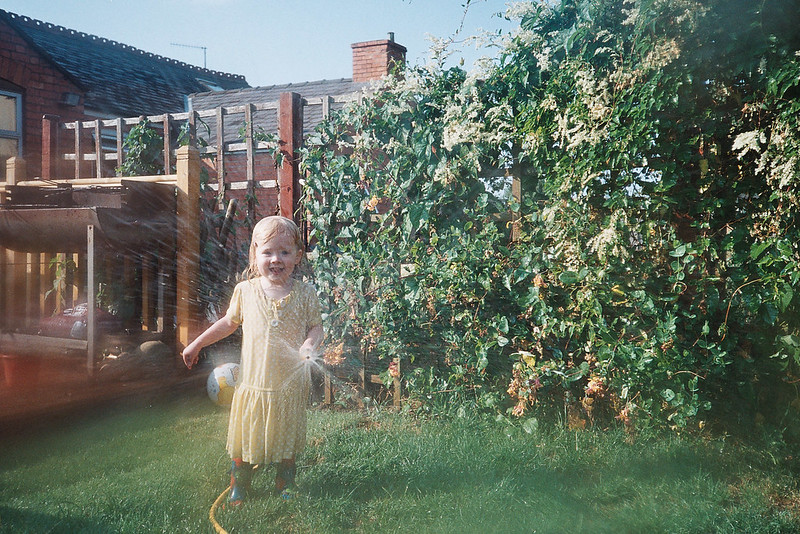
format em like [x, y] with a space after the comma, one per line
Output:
[227, 120]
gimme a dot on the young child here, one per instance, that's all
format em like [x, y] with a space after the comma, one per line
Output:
[281, 328]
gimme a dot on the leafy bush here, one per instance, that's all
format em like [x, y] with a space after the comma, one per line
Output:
[668, 248]
[408, 235]
[653, 270]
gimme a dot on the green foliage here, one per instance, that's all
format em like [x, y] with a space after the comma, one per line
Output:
[144, 151]
[654, 274]
[667, 248]
[63, 268]
[409, 240]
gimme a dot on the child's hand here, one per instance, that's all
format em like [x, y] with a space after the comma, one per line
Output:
[190, 355]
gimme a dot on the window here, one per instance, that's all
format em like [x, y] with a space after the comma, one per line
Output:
[10, 127]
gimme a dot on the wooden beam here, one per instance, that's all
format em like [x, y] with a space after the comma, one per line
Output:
[148, 293]
[119, 155]
[107, 182]
[188, 245]
[397, 389]
[32, 289]
[16, 263]
[251, 165]
[78, 153]
[50, 134]
[220, 157]
[39, 345]
[98, 149]
[290, 131]
[167, 144]
[91, 315]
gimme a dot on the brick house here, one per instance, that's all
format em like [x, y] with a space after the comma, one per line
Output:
[51, 70]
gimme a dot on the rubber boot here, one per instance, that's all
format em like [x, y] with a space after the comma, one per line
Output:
[284, 479]
[240, 481]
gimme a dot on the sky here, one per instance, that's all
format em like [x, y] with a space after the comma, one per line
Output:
[275, 41]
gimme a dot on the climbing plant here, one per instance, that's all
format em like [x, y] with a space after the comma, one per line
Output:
[652, 274]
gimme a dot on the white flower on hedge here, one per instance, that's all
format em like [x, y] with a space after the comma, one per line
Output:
[543, 58]
[747, 141]
[549, 102]
[518, 10]
[608, 240]
[632, 13]
[785, 173]
[662, 54]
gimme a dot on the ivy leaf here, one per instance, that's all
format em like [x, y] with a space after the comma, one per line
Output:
[770, 313]
[679, 251]
[757, 249]
[568, 278]
[502, 325]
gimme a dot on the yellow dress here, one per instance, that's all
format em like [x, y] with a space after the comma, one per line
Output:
[268, 413]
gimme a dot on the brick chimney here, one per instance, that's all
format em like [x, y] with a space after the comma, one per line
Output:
[372, 60]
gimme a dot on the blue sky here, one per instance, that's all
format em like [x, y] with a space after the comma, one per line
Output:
[272, 41]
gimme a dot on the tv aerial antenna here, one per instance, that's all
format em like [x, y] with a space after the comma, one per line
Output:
[203, 48]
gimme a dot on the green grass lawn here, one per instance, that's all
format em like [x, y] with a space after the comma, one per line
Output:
[159, 467]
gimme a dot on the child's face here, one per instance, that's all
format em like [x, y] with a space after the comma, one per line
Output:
[276, 259]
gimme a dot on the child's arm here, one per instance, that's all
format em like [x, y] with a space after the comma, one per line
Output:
[312, 342]
[219, 330]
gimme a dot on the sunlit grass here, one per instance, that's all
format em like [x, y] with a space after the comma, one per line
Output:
[159, 468]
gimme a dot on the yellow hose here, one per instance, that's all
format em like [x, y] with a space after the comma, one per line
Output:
[213, 510]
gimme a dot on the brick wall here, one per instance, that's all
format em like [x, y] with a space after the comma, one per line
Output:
[373, 60]
[42, 86]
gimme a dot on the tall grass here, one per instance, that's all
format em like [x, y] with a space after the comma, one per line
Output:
[159, 467]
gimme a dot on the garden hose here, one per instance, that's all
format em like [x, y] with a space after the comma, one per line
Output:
[214, 507]
[213, 510]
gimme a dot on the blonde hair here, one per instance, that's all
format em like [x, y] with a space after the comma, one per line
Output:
[266, 229]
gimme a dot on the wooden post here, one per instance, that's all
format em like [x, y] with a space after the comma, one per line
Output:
[75, 282]
[16, 170]
[46, 305]
[33, 289]
[326, 106]
[362, 377]
[328, 387]
[120, 155]
[16, 262]
[220, 157]
[516, 191]
[98, 149]
[149, 263]
[167, 144]
[58, 293]
[396, 389]
[91, 331]
[290, 131]
[50, 155]
[188, 245]
[78, 149]
[251, 166]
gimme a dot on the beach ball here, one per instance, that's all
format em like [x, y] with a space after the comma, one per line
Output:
[221, 383]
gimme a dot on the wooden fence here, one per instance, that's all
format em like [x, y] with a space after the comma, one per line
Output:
[71, 150]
